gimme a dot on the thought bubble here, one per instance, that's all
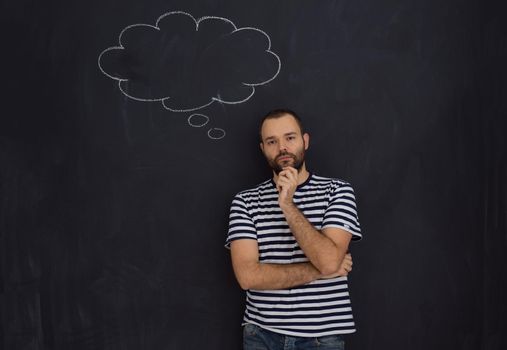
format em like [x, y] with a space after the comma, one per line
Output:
[198, 120]
[216, 133]
[187, 63]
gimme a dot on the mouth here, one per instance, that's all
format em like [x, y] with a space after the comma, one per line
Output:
[284, 158]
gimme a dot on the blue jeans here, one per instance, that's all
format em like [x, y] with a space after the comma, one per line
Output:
[257, 338]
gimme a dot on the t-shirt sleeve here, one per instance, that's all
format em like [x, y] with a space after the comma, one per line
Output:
[241, 225]
[342, 211]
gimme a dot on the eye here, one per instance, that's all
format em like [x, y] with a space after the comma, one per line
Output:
[271, 142]
[291, 138]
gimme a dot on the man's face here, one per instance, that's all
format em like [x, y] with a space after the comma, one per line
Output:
[282, 143]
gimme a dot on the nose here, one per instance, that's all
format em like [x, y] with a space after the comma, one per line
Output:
[282, 146]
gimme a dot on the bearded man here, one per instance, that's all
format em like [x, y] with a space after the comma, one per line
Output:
[289, 238]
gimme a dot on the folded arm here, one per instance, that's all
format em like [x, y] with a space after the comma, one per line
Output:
[325, 249]
[252, 274]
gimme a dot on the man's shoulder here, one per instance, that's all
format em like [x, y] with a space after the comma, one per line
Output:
[317, 180]
[264, 187]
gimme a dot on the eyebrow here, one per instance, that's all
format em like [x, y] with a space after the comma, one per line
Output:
[274, 137]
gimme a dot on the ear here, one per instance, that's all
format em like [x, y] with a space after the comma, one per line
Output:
[306, 139]
[261, 145]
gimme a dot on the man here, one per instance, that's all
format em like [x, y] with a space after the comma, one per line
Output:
[289, 238]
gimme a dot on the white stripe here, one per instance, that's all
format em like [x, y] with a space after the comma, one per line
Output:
[302, 320]
[241, 229]
[339, 208]
[282, 306]
[298, 299]
[313, 212]
[284, 261]
[241, 221]
[330, 221]
[275, 230]
[304, 312]
[277, 215]
[262, 194]
[290, 245]
[288, 255]
[240, 236]
[310, 288]
[314, 327]
[342, 200]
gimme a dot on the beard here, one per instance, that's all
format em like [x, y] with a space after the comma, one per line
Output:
[295, 160]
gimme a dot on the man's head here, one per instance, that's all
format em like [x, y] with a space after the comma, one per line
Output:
[283, 140]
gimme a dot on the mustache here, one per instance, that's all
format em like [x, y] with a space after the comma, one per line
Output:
[285, 154]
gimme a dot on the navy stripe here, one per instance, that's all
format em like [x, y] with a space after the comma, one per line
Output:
[278, 257]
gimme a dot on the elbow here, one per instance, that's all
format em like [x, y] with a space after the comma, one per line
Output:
[246, 277]
[328, 270]
[244, 282]
[244, 286]
[330, 267]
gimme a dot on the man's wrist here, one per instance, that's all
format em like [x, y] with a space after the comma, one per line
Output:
[288, 206]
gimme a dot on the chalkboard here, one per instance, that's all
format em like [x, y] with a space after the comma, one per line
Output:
[127, 128]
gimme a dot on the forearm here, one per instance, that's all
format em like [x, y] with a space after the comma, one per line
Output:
[319, 249]
[276, 276]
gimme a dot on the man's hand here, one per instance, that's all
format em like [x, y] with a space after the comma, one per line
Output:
[345, 267]
[286, 185]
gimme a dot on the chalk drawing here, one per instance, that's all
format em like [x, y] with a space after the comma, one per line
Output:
[187, 63]
[192, 120]
[216, 133]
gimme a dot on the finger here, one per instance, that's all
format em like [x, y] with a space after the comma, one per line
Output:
[286, 171]
[291, 173]
[282, 173]
[283, 186]
[288, 179]
[347, 264]
[283, 181]
[289, 170]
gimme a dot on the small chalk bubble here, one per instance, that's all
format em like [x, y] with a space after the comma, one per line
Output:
[197, 120]
[216, 133]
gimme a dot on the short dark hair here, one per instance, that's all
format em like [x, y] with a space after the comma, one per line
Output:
[278, 113]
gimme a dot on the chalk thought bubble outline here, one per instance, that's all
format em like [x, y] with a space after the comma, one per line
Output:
[194, 125]
[216, 137]
[197, 22]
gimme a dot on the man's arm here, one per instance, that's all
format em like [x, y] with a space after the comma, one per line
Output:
[252, 274]
[325, 249]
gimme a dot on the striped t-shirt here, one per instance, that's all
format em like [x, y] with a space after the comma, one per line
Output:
[318, 308]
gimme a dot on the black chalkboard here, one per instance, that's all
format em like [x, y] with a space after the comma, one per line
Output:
[127, 127]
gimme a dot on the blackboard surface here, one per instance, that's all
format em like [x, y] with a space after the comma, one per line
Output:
[120, 154]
